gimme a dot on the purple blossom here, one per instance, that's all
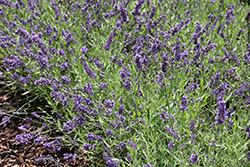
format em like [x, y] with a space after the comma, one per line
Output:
[133, 145]
[54, 37]
[184, 102]
[49, 30]
[214, 80]
[65, 80]
[47, 158]
[194, 158]
[61, 52]
[222, 112]
[109, 41]
[40, 139]
[85, 9]
[98, 63]
[192, 126]
[110, 162]
[42, 81]
[137, 11]
[5, 120]
[65, 66]
[92, 137]
[13, 63]
[88, 102]
[55, 144]
[171, 145]
[84, 49]
[109, 103]
[123, 14]
[193, 137]
[24, 138]
[69, 126]
[164, 116]
[129, 157]
[109, 132]
[69, 157]
[88, 89]
[24, 127]
[127, 84]
[148, 165]
[88, 71]
[230, 18]
[88, 147]
[241, 31]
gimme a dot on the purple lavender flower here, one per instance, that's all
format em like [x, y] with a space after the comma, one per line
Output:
[109, 132]
[171, 145]
[24, 127]
[98, 63]
[65, 80]
[137, 11]
[13, 63]
[88, 147]
[241, 31]
[61, 52]
[164, 116]
[65, 66]
[194, 158]
[193, 137]
[88, 71]
[49, 30]
[133, 145]
[148, 165]
[110, 161]
[127, 84]
[192, 126]
[122, 118]
[85, 9]
[84, 49]
[40, 139]
[222, 112]
[129, 157]
[230, 18]
[92, 137]
[123, 14]
[109, 103]
[42, 81]
[47, 158]
[5, 120]
[69, 157]
[109, 41]
[24, 138]
[54, 37]
[184, 103]
[56, 144]
[27, 119]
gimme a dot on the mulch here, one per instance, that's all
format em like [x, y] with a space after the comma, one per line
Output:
[13, 154]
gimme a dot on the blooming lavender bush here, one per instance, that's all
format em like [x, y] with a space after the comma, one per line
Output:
[134, 83]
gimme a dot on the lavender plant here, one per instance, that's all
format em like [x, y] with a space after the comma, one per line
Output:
[134, 83]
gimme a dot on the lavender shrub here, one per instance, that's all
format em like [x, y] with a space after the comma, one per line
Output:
[133, 83]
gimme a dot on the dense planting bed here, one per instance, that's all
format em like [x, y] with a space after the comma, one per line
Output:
[127, 83]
